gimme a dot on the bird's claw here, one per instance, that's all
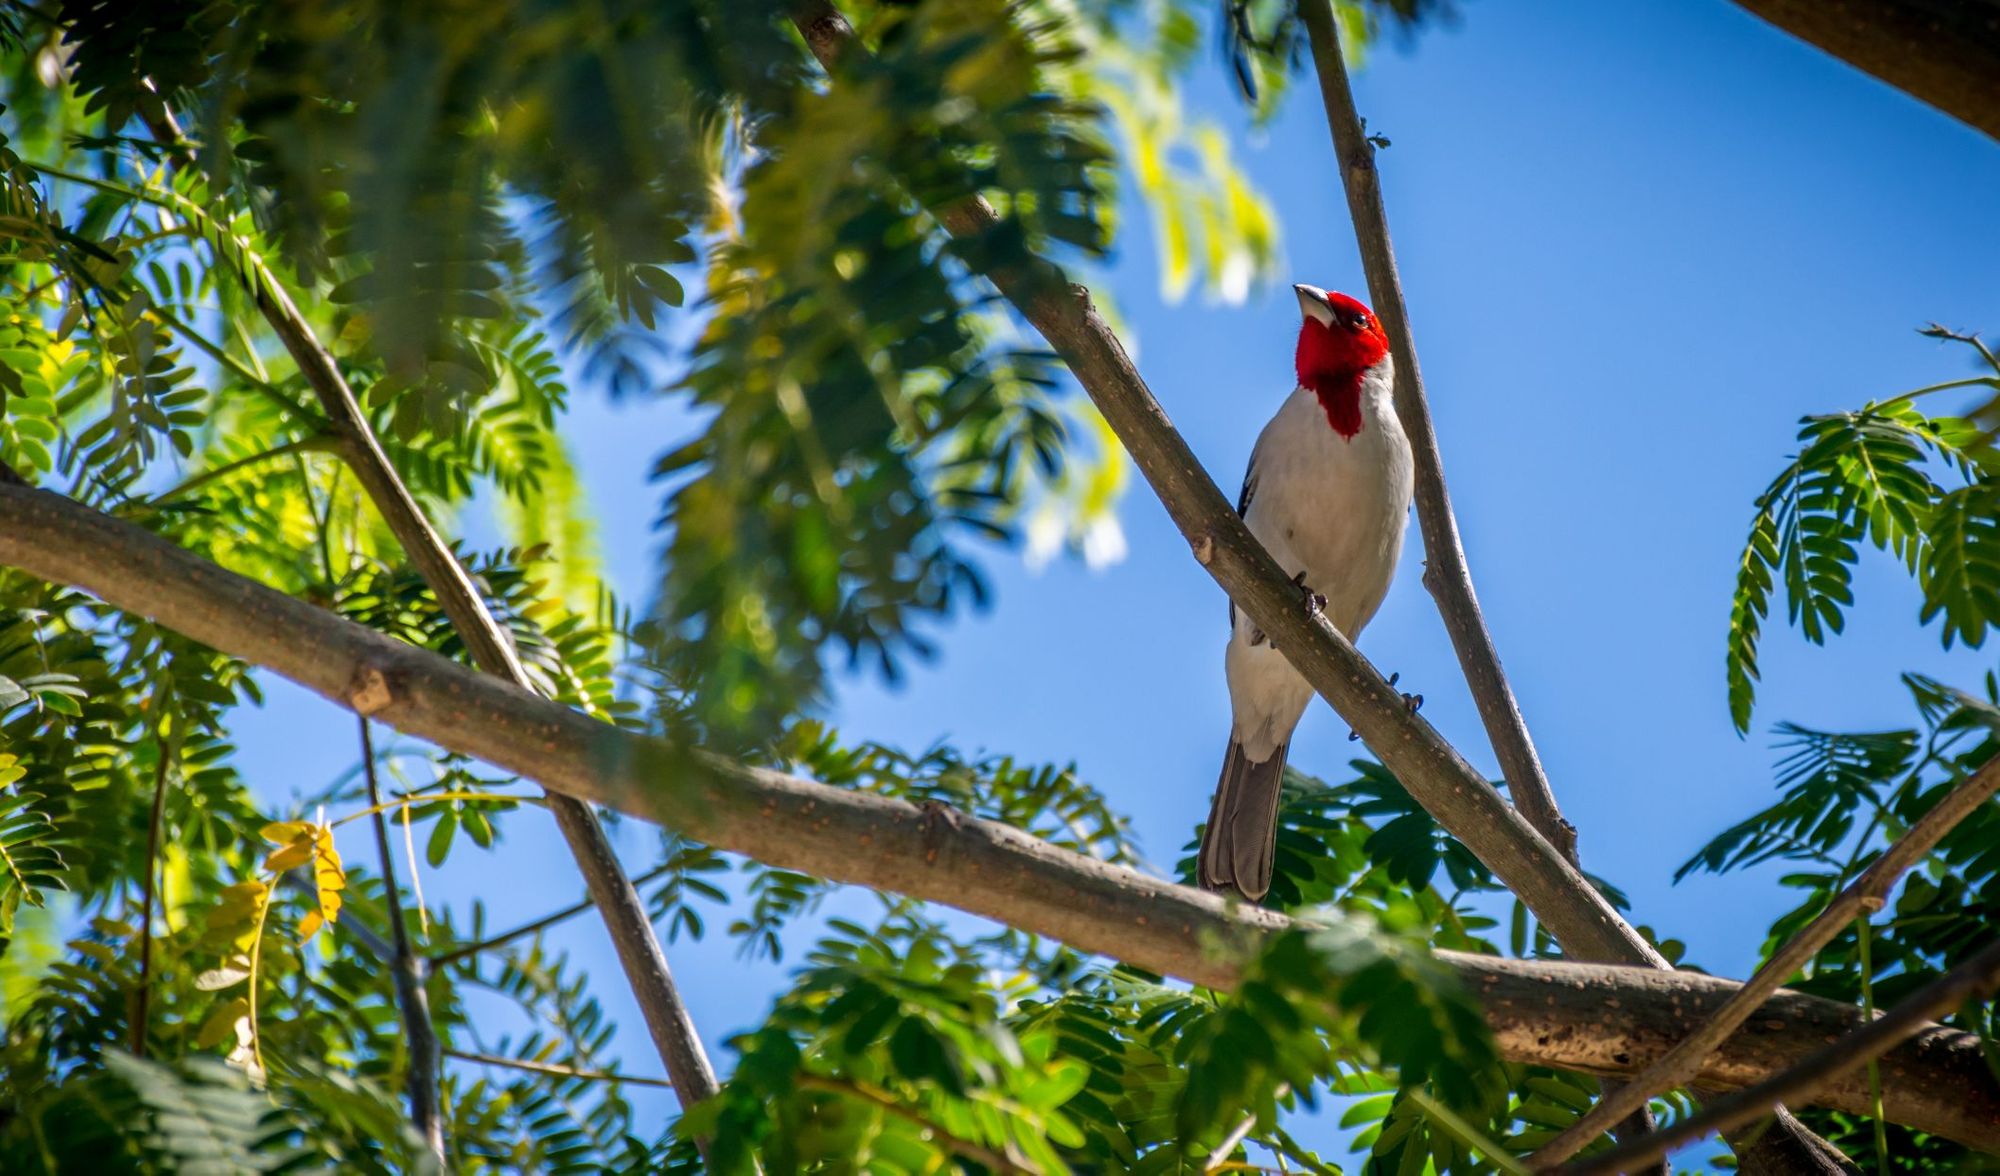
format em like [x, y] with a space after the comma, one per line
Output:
[1314, 602]
[1411, 702]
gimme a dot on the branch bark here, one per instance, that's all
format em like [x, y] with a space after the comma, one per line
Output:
[493, 651]
[1599, 1019]
[1865, 896]
[1945, 53]
[1975, 979]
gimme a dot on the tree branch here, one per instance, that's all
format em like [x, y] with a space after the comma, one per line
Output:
[1864, 896]
[555, 1071]
[1945, 53]
[493, 651]
[1446, 573]
[452, 955]
[408, 969]
[1972, 980]
[1547, 1013]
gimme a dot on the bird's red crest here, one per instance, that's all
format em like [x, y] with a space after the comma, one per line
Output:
[1334, 357]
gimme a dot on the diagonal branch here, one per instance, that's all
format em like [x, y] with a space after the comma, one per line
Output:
[1592, 1018]
[1445, 571]
[493, 651]
[1975, 979]
[1865, 895]
[464, 951]
[554, 1071]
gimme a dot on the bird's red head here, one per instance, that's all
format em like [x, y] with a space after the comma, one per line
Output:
[1339, 341]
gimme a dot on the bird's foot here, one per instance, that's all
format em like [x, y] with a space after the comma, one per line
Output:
[1411, 702]
[1315, 603]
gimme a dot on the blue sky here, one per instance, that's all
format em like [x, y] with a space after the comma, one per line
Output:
[1638, 242]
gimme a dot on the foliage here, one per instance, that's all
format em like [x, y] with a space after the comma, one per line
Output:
[1868, 476]
[472, 206]
[1919, 487]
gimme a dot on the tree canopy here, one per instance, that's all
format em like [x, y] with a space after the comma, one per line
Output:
[293, 288]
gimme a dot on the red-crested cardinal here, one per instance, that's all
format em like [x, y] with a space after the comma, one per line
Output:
[1328, 494]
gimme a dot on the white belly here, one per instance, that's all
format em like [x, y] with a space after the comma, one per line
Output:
[1334, 508]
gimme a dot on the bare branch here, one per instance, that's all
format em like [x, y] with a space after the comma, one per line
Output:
[493, 651]
[1864, 896]
[1593, 1018]
[464, 951]
[1446, 573]
[556, 1071]
[1972, 980]
[412, 1002]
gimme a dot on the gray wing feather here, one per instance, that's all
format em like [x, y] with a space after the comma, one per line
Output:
[1243, 511]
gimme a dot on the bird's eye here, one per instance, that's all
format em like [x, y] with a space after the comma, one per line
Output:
[1358, 323]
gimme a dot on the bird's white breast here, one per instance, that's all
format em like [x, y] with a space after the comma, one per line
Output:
[1334, 508]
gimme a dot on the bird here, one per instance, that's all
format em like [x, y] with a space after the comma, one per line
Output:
[1327, 493]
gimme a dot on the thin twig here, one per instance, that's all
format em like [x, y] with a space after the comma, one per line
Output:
[1974, 979]
[556, 1071]
[313, 444]
[1865, 894]
[412, 1001]
[976, 1152]
[467, 950]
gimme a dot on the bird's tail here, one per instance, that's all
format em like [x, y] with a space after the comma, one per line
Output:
[1241, 842]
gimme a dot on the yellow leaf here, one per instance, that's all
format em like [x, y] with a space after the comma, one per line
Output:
[229, 1022]
[298, 853]
[309, 925]
[327, 872]
[284, 832]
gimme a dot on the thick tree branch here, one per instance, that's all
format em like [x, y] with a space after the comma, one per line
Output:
[1975, 979]
[413, 1003]
[493, 651]
[1598, 1019]
[1945, 53]
[1865, 896]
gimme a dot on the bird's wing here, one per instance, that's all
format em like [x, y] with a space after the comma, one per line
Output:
[1243, 511]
